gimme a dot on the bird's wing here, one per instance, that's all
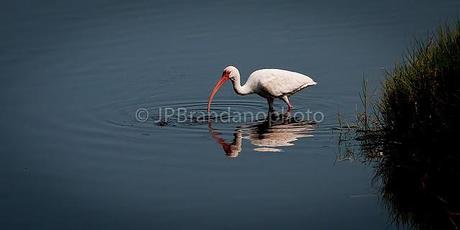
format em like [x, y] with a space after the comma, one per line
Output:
[281, 82]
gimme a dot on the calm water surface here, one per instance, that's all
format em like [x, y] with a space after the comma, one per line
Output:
[73, 74]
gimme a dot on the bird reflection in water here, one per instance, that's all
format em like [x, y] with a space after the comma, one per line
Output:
[267, 136]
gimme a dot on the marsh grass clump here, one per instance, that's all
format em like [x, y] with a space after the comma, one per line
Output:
[421, 97]
[412, 134]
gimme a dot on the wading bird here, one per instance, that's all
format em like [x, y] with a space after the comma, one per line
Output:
[267, 83]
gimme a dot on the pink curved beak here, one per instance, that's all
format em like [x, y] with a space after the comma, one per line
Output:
[216, 88]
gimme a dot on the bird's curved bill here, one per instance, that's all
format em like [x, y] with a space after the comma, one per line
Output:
[216, 88]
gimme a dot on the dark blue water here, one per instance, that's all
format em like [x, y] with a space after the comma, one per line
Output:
[74, 73]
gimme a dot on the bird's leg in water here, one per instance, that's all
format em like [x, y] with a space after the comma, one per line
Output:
[272, 115]
[270, 105]
[270, 119]
[286, 99]
[287, 117]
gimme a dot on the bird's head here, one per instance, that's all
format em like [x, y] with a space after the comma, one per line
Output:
[230, 73]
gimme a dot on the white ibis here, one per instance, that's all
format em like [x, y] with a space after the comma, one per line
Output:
[267, 83]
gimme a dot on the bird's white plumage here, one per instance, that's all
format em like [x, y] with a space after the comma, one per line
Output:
[268, 83]
[277, 82]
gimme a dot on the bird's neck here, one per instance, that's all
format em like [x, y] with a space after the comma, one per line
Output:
[239, 89]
